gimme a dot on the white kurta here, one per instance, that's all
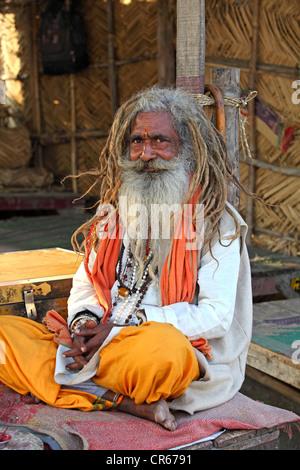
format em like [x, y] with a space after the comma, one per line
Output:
[221, 312]
[210, 318]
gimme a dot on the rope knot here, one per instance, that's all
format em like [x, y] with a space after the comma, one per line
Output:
[204, 100]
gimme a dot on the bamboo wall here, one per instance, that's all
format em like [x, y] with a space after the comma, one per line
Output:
[58, 108]
[229, 33]
[122, 57]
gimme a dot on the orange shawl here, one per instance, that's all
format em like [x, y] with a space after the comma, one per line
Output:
[178, 278]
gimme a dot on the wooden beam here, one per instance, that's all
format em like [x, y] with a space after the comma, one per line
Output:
[60, 137]
[2, 92]
[271, 69]
[243, 65]
[73, 130]
[252, 123]
[283, 170]
[165, 43]
[111, 56]
[272, 233]
[228, 81]
[274, 364]
[34, 78]
[275, 384]
[190, 59]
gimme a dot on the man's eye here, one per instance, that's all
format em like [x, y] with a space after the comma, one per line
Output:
[136, 140]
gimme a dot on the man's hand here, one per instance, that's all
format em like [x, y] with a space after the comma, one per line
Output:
[86, 342]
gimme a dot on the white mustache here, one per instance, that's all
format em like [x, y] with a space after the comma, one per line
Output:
[158, 164]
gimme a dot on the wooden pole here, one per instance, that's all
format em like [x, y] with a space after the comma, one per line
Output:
[2, 86]
[190, 59]
[271, 69]
[228, 81]
[283, 170]
[73, 133]
[252, 123]
[34, 79]
[2, 92]
[190, 75]
[111, 56]
[60, 137]
[165, 43]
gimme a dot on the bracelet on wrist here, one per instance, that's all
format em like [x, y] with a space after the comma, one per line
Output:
[116, 400]
[81, 319]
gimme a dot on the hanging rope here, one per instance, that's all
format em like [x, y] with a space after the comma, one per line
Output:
[204, 100]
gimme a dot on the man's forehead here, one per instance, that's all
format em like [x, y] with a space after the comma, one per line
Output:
[153, 122]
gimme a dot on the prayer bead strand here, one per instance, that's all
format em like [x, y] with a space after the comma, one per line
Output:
[135, 295]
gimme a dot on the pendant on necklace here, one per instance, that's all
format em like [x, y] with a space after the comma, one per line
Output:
[123, 292]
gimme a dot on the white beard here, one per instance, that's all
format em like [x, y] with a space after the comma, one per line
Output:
[148, 202]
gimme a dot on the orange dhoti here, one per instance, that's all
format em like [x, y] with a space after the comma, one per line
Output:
[145, 363]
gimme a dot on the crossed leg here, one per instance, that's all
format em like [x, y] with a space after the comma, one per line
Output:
[157, 367]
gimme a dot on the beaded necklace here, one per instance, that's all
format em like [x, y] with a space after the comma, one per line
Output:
[134, 292]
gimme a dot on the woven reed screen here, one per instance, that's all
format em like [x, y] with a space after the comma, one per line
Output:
[228, 43]
[229, 36]
[93, 106]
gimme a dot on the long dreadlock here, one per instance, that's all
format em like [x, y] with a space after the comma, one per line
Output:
[212, 168]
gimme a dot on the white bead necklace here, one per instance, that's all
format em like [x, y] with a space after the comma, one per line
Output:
[129, 307]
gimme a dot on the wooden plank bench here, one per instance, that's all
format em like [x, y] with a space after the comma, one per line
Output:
[249, 439]
[275, 346]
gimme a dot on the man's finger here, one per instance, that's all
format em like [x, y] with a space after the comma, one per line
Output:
[75, 351]
[89, 356]
[85, 331]
[93, 344]
[78, 364]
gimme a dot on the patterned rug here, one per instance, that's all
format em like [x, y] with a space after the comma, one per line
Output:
[105, 430]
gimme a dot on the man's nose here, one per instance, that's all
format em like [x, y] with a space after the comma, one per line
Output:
[148, 152]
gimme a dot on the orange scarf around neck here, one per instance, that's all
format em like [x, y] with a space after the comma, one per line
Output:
[178, 277]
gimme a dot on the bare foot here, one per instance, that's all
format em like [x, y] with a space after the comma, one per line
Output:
[36, 399]
[158, 412]
[163, 415]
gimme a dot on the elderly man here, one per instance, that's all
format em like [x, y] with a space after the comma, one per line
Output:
[160, 319]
